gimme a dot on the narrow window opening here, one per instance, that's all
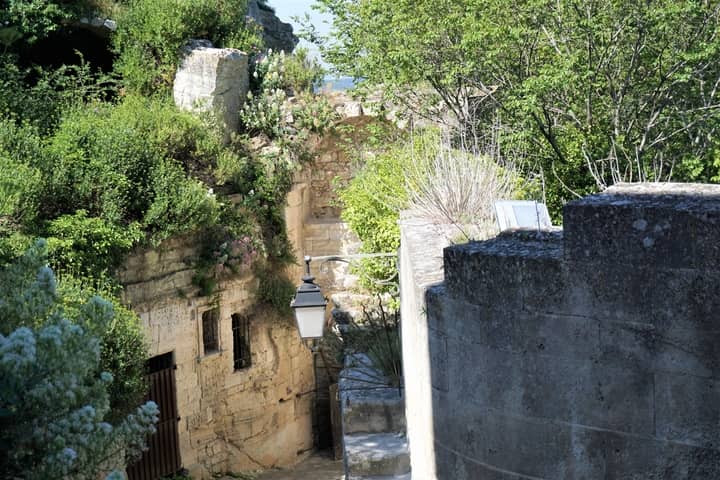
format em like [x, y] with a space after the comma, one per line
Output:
[210, 320]
[241, 341]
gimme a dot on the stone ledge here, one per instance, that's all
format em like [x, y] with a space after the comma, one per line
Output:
[519, 270]
[368, 406]
[376, 454]
[663, 225]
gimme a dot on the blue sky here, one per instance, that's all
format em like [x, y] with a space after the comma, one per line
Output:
[285, 9]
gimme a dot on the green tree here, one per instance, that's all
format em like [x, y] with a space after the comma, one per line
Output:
[53, 396]
[373, 199]
[152, 33]
[594, 92]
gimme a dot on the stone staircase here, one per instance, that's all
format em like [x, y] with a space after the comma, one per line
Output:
[373, 421]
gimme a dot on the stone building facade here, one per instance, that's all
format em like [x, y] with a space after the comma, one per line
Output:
[233, 416]
[260, 416]
[265, 410]
[592, 353]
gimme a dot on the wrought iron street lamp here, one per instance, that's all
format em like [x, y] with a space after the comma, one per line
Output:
[309, 306]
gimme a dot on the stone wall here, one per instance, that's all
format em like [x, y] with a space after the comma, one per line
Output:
[420, 264]
[331, 237]
[589, 354]
[332, 166]
[212, 80]
[230, 420]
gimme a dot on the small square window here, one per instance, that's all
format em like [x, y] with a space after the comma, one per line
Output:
[241, 341]
[210, 320]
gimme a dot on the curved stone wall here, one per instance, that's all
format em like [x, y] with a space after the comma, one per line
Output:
[593, 354]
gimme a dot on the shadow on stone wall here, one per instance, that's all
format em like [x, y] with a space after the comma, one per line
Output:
[589, 354]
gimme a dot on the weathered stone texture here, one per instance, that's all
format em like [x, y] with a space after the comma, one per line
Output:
[331, 237]
[277, 34]
[588, 354]
[212, 79]
[230, 420]
[420, 261]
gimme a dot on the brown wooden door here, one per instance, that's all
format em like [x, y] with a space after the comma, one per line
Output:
[163, 455]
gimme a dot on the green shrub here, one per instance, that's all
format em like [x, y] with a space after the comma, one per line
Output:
[38, 96]
[31, 20]
[123, 347]
[228, 248]
[128, 163]
[89, 246]
[21, 186]
[371, 205]
[101, 159]
[264, 113]
[180, 204]
[301, 73]
[151, 34]
[20, 182]
[314, 114]
[268, 109]
[13, 243]
[377, 334]
[295, 72]
[233, 168]
[275, 289]
[54, 389]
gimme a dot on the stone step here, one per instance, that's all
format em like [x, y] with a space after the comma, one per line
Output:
[376, 455]
[368, 406]
[363, 413]
[404, 476]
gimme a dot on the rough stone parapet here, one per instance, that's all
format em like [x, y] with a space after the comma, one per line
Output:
[663, 225]
[589, 354]
[212, 79]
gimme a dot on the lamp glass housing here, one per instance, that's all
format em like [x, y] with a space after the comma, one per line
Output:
[309, 306]
[310, 321]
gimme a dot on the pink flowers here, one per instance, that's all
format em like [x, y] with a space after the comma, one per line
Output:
[234, 256]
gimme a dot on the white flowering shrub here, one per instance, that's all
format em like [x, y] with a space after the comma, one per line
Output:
[275, 77]
[264, 112]
[53, 399]
[314, 114]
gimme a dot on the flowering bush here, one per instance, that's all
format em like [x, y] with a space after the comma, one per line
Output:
[264, 112]
[313, 114]
[268, 110]
[234, 255]
[230, 257]
[53, 398]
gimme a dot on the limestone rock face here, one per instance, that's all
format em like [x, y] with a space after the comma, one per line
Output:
[102, 27]
[212, 79]
[277, 34]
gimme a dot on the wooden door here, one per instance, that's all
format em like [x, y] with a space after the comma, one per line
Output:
[163, 455]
